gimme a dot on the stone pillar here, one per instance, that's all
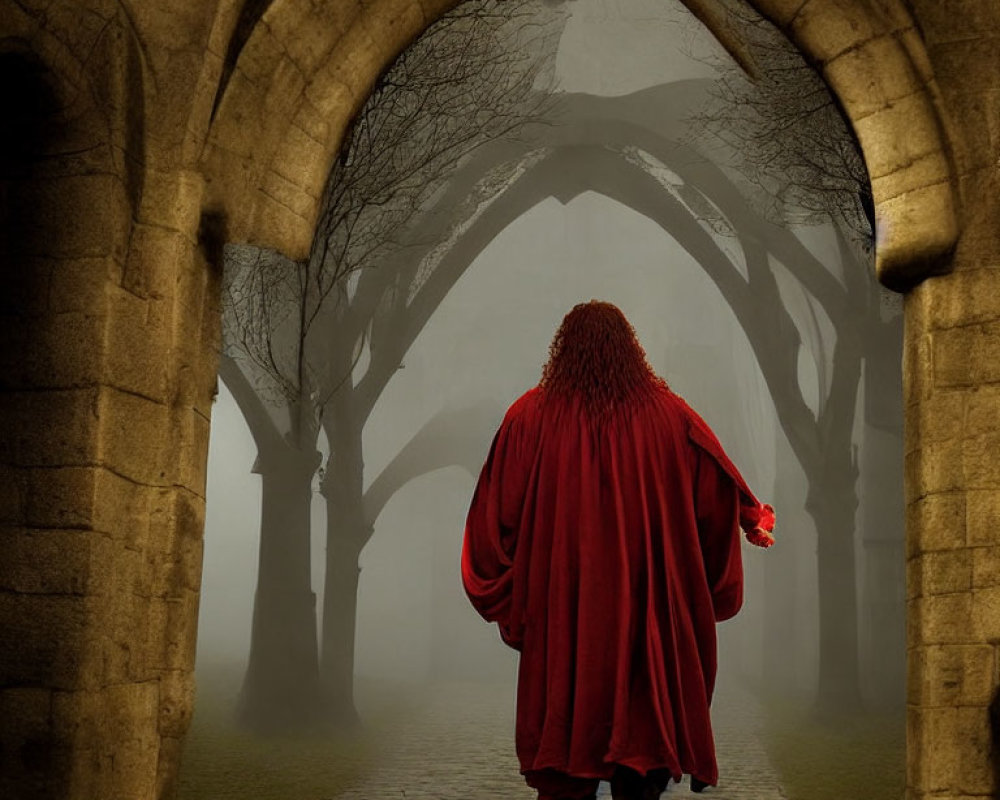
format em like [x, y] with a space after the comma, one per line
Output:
[953, 532]
[109, 340]
[952, 436]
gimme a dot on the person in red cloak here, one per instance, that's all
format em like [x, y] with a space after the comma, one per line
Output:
[603, 539]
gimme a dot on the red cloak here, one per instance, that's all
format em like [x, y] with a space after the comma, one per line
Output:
[606, 554]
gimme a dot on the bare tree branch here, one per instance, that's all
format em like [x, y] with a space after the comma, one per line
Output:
[787, 134]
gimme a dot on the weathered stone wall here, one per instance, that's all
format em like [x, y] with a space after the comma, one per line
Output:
[109, 330]
[153, 138]
[952, 399]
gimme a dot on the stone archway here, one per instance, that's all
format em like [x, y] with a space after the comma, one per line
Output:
[304, 83]
[876, 60]
[105, 426]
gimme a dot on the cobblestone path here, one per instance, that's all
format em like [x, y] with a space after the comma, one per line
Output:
[458, 745]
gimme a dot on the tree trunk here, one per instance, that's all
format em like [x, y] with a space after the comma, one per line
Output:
[281, 689]
[340, 612]
[347, 533]
[832, 505]
[882, 511]
[784, 664]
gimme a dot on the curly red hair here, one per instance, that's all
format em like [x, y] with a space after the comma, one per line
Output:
[596, 356]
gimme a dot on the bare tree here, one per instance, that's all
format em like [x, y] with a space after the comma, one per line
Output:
[787, 133]
[787, 137]
[311, 344]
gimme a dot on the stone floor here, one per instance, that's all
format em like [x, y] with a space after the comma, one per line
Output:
[458, 745]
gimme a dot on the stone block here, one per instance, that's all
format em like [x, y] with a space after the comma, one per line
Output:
[961, 66]
[975, 770]
[27, 715]
[991, 117]
[918, 230]
[952, 21]
[189, 295]
[61, 498]
[260, 57]
[827, 29]
[176, 703]
[936, 522]
[361, 61]
[134, 437]
[928, 169]
[154, 258]
[27, 765]
[870, 77]
[982, 409]
[913, 43]
[60, 351]
[121, 508]
[982, 517]
[77, 716]
[980, 464]
[192, 453]
[973, 138]
[168, 769]
[50, 428]
[941, 619]
[311, 122]
[173, 631]
[393, 23]
[175, 551]
[56, 562]
[113, 736]
[205, 379]
[289, 195]
[954, 362]
[915, 570]
[985, 566]
[935, 467]
[333, 101]
[235, 138]
[13, 495]
[968, 297]
[951, 675]
[986, 613]
[80, 284]
[172, 200]
[940, 572]
[299, 158]
[933, 752]
[137, 342]
[307, 32]
[124, 646]
[918, 364]
[885, 153]
[26, 289]
[55, 640]
[78, 216]
[936, 418]
[287, 231]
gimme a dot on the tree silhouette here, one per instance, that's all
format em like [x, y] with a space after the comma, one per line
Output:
[785, 131]
[787, 137]
[310, 345]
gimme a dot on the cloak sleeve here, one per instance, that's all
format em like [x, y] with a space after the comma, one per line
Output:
[717, 508]
[491, 527]
[755, 517]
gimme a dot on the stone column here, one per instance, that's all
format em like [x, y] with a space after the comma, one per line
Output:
[952, 437]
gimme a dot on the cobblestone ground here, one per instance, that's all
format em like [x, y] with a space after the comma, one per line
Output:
[458, 745]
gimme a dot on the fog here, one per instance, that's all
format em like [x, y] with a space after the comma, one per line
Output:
[486, 344]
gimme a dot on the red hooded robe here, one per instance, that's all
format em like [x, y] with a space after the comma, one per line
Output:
[606, 554]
